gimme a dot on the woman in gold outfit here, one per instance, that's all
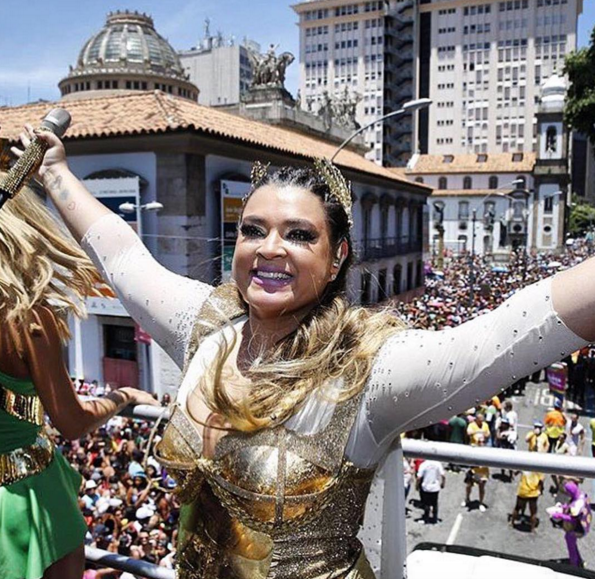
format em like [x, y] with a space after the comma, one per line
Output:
[44, 276]
[292, 398]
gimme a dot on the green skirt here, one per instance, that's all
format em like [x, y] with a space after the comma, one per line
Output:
[40, 521]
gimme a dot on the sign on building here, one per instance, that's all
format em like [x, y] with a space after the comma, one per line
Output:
[232, 193]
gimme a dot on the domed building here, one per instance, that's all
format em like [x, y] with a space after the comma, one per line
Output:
[127, 54]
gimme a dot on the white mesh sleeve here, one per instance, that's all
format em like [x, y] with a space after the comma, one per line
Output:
[421, 377]
[164, 304]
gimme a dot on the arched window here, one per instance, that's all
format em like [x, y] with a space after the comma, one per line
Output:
[521, 182]
[462, 239]
[467, 183]
[442, 183]
[551, 139]
[419, 179]
[493, 184]
[463, 210]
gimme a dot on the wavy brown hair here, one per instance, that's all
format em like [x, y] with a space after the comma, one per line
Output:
[40, 264]
[335, 340]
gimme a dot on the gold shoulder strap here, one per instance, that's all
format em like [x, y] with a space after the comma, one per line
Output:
[223, 305]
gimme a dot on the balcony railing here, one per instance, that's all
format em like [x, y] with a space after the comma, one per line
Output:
[378, 248]
[455, 453]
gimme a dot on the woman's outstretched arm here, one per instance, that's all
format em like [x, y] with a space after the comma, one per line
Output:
[164, 304]
[421, 377]
[41, 349]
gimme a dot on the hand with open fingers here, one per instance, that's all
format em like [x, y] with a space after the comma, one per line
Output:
[54, 156]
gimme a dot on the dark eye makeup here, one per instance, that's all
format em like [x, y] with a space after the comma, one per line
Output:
[295, 235]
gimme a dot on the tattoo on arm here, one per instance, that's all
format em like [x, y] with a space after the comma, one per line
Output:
[55, 185]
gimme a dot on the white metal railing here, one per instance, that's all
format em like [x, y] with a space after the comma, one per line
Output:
[134, 566]
[577, 466]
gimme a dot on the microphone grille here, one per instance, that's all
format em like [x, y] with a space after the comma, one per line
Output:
[57, 121]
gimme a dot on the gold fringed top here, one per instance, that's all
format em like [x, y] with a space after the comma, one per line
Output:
[25, 407]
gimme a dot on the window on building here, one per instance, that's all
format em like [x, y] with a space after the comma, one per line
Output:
[493, 182]
[448, 159]
[463, 210]
[382, 289]
[119, 342]
[442, 183]
[366, 287]
[521, 182]
[551, 139]
[397, 278]
[419, 179]
[467, 183]
[548, 204]
[462, 242]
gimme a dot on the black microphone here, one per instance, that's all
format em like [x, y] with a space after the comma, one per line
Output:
[56, 121]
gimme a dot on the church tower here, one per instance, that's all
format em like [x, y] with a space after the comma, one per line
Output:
[551, 172]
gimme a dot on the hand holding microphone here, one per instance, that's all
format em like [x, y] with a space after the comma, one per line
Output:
[36, 145]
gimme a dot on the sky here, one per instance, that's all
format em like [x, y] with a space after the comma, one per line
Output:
[39, 39]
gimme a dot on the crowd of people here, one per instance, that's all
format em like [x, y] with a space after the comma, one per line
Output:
[131, 509]
[128, 503]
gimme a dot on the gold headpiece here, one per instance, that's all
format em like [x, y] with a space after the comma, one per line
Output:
[258, 173]
[329, 173]
[339, 187]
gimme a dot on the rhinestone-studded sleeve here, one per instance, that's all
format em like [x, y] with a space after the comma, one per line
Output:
[421, 377]
[162, 303]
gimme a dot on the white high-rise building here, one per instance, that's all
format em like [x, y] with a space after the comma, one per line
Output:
[343, 47]
[482, 63]
[220, 66]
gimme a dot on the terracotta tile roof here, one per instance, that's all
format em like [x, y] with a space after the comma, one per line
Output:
[157, 112]
[494, 163]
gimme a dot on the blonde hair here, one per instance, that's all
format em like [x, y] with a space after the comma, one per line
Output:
[41, 265]
[335, 341]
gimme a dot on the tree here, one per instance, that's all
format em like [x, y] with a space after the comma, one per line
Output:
[579, 112]
[581, 218]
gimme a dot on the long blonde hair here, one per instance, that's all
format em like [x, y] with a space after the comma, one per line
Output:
[336, 340]
[40, 264]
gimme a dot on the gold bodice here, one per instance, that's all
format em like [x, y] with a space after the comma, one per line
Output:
[269, 505]
[274, 504]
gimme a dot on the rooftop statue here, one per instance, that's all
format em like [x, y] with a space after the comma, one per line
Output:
[269, 69]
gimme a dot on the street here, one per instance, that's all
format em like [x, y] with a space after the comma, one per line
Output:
[491, 530]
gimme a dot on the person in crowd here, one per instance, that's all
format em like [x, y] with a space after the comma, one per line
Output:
[511, 414]
[478, 429]
[458, 435]
[575, 516]
[537, 440]
[575, 436]
[529, 490]
[562, 448]
[430, 480]
[555, 423]
[592, 429]
[44, 277]
[492, 413]
[477, 475]
[279, 365]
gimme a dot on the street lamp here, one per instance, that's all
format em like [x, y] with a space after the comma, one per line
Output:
[137, 208]
[129, 207]
[409, 106]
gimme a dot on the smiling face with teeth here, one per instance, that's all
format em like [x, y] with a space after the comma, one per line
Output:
[283, 259]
